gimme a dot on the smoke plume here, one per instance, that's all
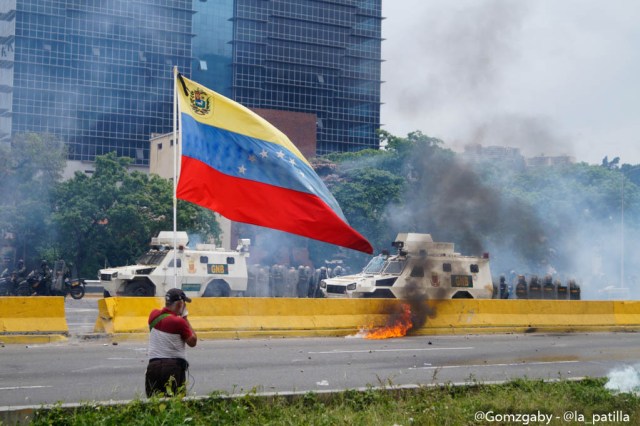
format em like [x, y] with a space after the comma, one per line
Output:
[626, 380]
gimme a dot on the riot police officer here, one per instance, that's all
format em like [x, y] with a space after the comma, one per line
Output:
[20, 271]
[44, 286]
[504, 288]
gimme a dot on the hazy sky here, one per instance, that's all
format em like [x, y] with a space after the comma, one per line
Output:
[548, 76]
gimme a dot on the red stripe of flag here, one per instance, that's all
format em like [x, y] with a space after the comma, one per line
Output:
[247, 201]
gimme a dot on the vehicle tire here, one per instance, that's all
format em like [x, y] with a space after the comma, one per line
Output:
[24, 289]
[217, 288]
[139, 289]
[77, 292]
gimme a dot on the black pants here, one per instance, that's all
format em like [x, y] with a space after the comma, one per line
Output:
[164, 374]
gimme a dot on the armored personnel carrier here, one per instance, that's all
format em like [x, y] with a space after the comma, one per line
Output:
[206, 270]
[420, 268]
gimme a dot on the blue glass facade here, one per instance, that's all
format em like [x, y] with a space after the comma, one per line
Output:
[98, 73]
[314, 56]
[212, 44]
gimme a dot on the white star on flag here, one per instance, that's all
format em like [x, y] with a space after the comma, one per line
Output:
[242, 169]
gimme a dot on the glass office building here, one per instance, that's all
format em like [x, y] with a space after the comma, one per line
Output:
[313, 56]
[98, 73]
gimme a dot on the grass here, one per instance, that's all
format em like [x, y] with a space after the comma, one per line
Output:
[445, 405]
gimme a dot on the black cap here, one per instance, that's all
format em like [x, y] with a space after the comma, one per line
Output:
[174, 295]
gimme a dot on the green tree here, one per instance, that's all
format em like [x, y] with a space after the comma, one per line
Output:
[364, 195]
[110, 216]
[29, 170]
[372, 187]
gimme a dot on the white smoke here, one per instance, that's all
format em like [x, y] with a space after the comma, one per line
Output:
[625, 380]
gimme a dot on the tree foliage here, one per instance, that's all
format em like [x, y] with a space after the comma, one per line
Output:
[564, 218]
[29, 170]
[569, 218]
[110, 216]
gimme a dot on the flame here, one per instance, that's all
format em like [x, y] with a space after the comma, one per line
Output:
[398, 326]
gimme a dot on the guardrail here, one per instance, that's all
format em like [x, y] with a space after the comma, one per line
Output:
[94, 287]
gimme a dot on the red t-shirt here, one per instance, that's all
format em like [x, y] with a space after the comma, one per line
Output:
[167, 338]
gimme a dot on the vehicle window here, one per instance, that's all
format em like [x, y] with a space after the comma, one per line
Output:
[153, 257]
[446, 267]
[231, 260]
[417, 271]
[475, 268]
[375, 265]
[204, 259]
[394, 267]
[179, 262]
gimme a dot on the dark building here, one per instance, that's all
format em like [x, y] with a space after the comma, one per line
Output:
[98, 73]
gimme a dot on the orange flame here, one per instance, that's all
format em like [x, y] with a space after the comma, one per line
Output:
[398, 326]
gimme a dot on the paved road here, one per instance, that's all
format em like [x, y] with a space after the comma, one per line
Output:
[95, 370]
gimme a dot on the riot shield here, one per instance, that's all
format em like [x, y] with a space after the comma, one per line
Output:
[57, 279]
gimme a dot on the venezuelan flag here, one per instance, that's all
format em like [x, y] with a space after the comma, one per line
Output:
[236, 163]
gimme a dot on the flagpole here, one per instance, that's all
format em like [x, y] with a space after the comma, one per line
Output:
[175, 176]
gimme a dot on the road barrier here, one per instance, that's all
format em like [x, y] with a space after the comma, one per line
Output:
[226, 317]
[246, 317]
[32, 319]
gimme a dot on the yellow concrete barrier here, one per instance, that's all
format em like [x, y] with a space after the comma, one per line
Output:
[32, 319]
[229, 317]
[130, 314]
[627, 313]
[125, 314]
[520, 315]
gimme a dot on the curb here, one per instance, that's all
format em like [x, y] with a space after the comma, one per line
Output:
[32, 339]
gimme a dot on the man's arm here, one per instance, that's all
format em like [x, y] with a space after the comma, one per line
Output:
[193, 339]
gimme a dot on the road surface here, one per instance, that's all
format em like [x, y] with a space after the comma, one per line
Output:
[78, 370]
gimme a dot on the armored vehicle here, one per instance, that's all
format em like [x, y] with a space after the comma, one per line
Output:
[206, 270]
[420, 268]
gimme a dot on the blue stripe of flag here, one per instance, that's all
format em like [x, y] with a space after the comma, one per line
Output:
[249, 158]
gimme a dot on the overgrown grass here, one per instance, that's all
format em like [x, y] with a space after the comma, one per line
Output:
[446, 405]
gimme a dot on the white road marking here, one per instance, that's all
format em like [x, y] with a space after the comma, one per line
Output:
[103, 367]
[24, 387]
[519, 364]
[390, 350]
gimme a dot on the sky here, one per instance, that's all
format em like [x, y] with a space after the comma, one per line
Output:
[551, 77]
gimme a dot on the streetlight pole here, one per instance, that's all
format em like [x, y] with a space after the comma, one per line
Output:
[622, 231]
